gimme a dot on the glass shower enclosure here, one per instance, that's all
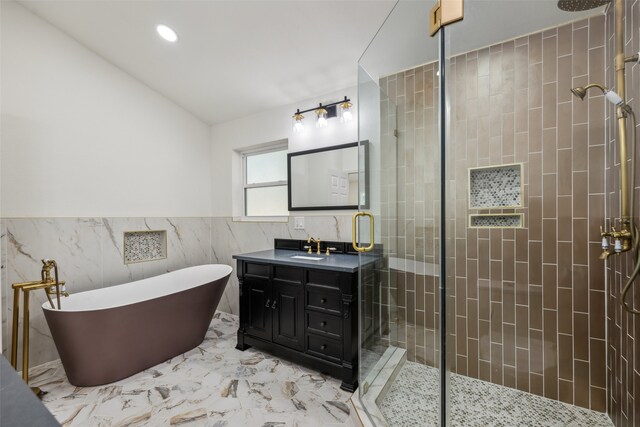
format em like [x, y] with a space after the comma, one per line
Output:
[470, 303]
[399, 283]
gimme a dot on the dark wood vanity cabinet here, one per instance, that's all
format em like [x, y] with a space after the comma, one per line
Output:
[306, 315]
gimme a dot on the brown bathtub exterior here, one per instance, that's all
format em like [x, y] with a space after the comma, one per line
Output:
[103, 346]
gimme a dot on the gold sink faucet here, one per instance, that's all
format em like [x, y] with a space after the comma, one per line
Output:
[47, 283]
[312, 240]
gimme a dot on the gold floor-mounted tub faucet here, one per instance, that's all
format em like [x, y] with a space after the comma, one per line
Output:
[47, 283]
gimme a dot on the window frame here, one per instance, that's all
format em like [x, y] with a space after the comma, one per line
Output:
[281, 146]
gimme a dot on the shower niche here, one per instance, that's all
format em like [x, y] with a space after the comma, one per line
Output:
[496, 187]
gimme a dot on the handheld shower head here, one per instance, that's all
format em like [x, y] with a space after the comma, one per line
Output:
[611, 96]
[579, 91]
[580, 5]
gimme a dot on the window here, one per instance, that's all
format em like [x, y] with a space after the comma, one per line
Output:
[265, 182]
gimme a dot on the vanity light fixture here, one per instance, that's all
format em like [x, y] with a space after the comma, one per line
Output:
[321, 117]
[346, 115]
[323, 113]
[167, 33]
[298, 126]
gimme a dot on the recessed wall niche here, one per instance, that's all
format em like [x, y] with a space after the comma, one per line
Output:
[495, 187]
[141, 246]
[496, 221]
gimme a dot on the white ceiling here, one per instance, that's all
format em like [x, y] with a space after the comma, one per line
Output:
[486, 22]
[235, 58]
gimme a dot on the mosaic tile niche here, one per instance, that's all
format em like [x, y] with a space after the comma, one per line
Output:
[497, 221]
[140, 246]
[495, 187]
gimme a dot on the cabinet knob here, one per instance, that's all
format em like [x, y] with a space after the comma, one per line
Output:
[323, 300]
[323, 323]
[323, 347]
[274, 305]
[267, 304]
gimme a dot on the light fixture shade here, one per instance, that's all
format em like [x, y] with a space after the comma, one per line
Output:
[298, 126]
[321, 121]
[347, 114]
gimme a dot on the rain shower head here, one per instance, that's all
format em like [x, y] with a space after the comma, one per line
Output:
[580, 5]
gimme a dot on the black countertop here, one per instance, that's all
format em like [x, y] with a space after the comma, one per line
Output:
[19, 406]
[336, 262]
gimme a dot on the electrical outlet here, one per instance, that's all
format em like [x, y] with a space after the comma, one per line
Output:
[299, 223]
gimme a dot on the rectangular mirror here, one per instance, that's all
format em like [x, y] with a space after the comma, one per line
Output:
[327, 178]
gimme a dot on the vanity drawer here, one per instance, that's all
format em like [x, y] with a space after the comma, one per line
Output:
[323, 298]
[323, 347]
[322, 277]
[326, 324]
[258, 270]
[289, 274]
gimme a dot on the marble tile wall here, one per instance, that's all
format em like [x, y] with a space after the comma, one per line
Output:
[528, 305]
[623, 356]
[229, 237]
[89, 252]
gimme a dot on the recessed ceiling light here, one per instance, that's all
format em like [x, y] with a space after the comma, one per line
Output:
[167, 33]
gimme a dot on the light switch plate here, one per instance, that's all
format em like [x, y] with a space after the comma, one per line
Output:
[299, 223]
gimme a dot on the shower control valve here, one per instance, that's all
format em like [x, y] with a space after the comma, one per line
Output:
[605, 238]
[621, 241]
[617, 245]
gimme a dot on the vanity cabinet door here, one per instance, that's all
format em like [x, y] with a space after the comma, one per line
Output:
[288, 314]
[258, 307]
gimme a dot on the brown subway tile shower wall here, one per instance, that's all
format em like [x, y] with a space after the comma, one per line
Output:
[410, 296]
[527, 305]
[623, 358]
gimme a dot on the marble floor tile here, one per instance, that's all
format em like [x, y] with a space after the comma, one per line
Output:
[211, 385]
[217, 385]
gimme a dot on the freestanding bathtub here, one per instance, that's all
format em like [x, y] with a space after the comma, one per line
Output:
[108, 334]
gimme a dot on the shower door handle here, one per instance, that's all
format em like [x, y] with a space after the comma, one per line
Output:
[354, 223]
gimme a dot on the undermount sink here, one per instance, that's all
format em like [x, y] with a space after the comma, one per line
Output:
[309, 258]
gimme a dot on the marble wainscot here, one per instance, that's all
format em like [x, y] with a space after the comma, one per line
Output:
[230, 237]
[89, 255]
[89, 252]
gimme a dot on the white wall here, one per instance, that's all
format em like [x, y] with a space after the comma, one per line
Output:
[271, 125]
[82, 138]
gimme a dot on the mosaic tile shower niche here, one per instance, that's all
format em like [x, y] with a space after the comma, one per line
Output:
[495, 187]
[496, 221]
